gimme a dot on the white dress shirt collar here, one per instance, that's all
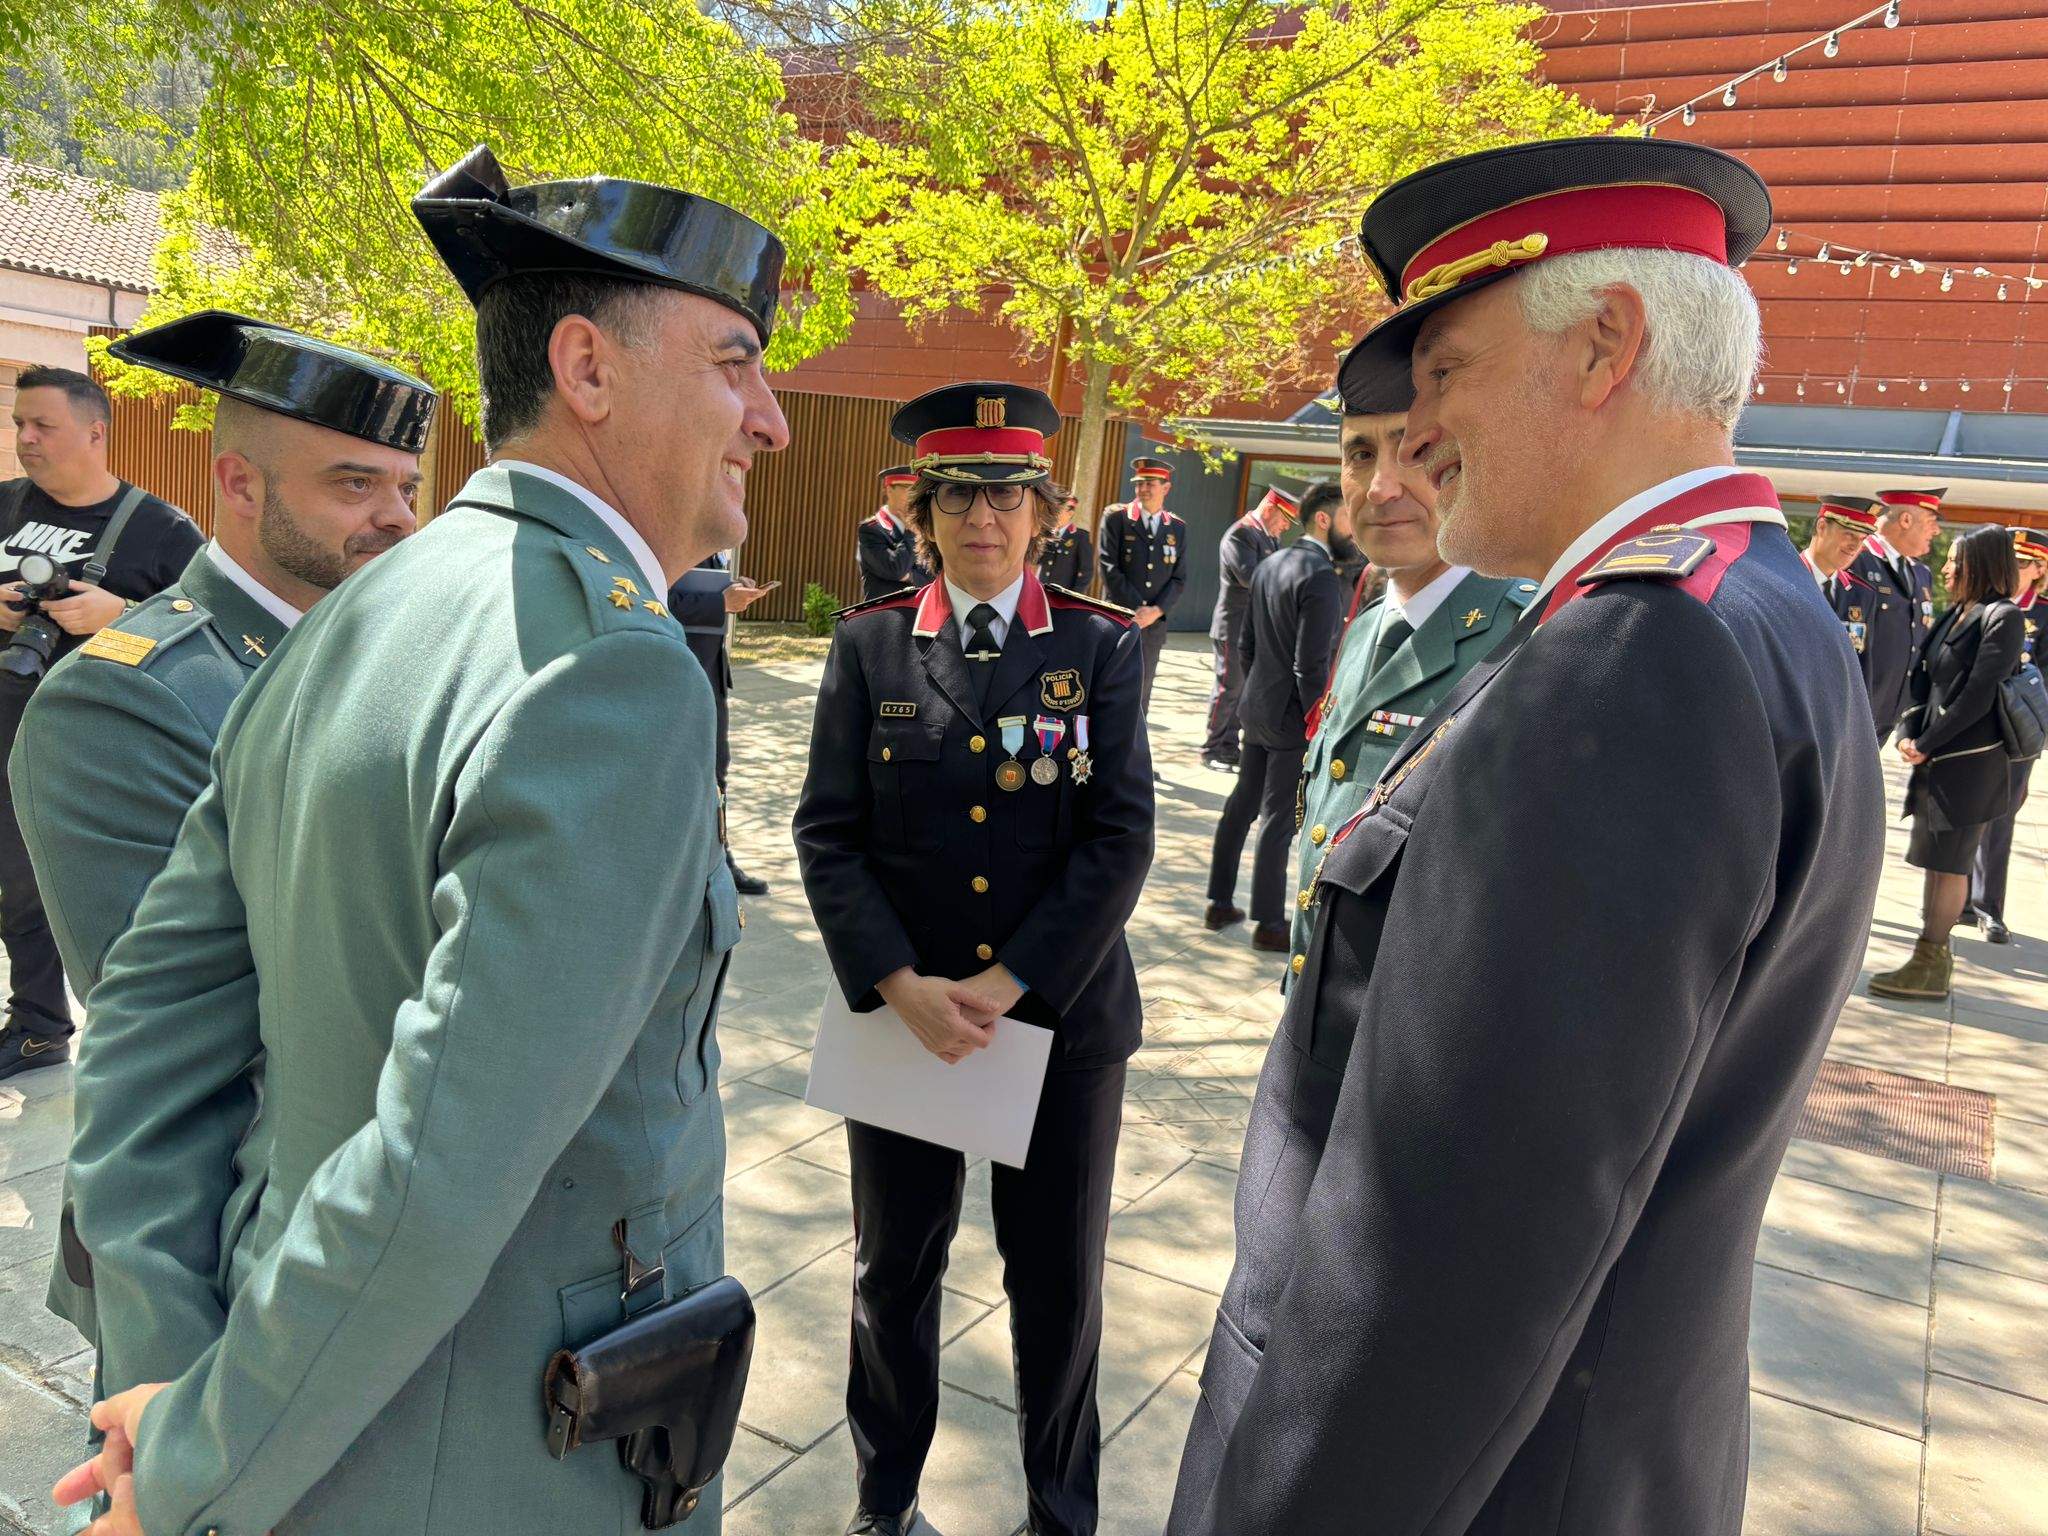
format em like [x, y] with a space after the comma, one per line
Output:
[1603, 531]
[1886, 549]
[1417, 609]
[263, 597]
[1004, 603]
[636, 546]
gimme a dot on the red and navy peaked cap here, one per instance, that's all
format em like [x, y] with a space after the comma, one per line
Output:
[1923, 501]
[2030, 544]
[1857, 512]
[486, 230]
[898, 474]
[1144, 468]
[1452, 229]
[979, 433]
[279, 370]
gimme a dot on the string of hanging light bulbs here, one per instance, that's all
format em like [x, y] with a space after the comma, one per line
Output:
[1829, 43]
[1905, 383]
[1849, 258]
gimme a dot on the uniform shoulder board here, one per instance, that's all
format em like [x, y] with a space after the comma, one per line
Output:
[617, 599]
[1659, 556]
[142, 636]
[1063, 597]
[874, 604]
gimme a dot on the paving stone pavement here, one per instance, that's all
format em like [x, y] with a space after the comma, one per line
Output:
[1900, 1341]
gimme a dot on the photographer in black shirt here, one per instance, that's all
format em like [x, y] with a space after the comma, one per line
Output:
[62, 579]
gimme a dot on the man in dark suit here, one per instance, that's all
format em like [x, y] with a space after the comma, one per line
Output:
[1892, 563]
[702, 601]
[1840, 530]
[885, 546]
[1144, 559]
[1067, 556]
[1245, 546]
[1297, 607]
[1575, 963]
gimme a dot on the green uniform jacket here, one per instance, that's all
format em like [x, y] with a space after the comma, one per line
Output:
[462, 828]
[112, 752]
[1358, 732]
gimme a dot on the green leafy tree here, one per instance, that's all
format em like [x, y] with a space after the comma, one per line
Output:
[321, 119]
[1161, 197]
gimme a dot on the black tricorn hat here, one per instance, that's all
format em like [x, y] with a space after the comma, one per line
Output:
[1453, 228]
[298, 376]
[486, 229]
[979, 432]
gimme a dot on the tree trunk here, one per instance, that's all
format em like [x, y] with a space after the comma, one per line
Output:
[1094, 425]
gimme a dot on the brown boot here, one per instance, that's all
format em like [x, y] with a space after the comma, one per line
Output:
[1926, 975]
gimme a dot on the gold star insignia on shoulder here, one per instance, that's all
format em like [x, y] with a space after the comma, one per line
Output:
[255, 645]
[597, 554]
[625, 584]
[1473, 618]
[621, 601]
[655, 608]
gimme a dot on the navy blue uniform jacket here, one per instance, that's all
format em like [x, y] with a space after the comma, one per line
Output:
[887, 831]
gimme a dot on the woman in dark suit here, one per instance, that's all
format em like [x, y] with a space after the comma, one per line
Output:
[974, 831]
[1962, 778]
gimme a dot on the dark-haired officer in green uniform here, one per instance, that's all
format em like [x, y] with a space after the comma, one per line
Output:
[316, 463]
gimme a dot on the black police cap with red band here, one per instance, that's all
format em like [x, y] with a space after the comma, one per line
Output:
[280, 370]
[1450, 230]
[979, 433]
[486, 230]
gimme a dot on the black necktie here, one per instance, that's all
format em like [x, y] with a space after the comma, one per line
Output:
[1392, 633]
[982, 650]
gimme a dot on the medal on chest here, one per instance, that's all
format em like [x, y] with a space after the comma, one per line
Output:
[1010, 773]
[1045, 768]
[1077, 754]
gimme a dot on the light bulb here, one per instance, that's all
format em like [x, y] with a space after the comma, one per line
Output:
[1917, 266]
[1880, 386]
[1863, 258]
[1891, 14]
[1948, 281]
[1895, 269]
[1801, 390]
[1778, 71]
[1792, 267]
[1833, 46]
[1760, 387]
[1923, 386]
[1687, 116]
[2001, 290]
[1964, 386]
[1781, 239]
[2008, 386]
[1841, 388]
[1823, 256]
[1846, 269]
[1980, 272]
[2034, 282]
[1728, 96]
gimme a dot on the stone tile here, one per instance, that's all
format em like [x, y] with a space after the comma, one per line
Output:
[2021, 1087]
[790, 1015]
[1142, 1161]
[791, 1076]
[28, 1215]
[761, 1123]
[807, 1496]
[1991, 1328]
[1140, 1463]
[2023, 1025]
[34, 1133]
[1993, 1228]
[1985, 1472]
[30, 1331]
[744, 1053]
[44, 1439]
[975, 1265]
[780, 1216]
[1844, 1351]
[2020, 1156]
[1812, 1474]
[47, 1082]
[1181, 1230]
[828, 1149]
[1861, 1171]
[72, 1378]
[1916, 1047]
[796, 1391]
[1860, 1240]
[754, 1459]
[974, 1478]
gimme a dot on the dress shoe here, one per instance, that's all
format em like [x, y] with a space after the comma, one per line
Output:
[1221, 916]
[744, 883]
[1925, 976]
[866, 1523]
[1219, 764]
[1271, 936]
[1993, 929]
[21, 1051]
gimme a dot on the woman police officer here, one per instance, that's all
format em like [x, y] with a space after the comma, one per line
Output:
[974, 830]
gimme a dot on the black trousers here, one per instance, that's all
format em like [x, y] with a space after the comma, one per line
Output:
[36, 1001]
[1994, 854]
[1267, 779]
[1225, 732]
[1052, 1224]
[1151, 642]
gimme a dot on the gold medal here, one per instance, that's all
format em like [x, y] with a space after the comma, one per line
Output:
[1010, 775]
[1044, 771]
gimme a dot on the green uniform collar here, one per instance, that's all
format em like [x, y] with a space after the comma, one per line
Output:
[500, 488]
[245, 627]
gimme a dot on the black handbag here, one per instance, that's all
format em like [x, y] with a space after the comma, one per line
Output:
[665, 1384]
[2023, 713]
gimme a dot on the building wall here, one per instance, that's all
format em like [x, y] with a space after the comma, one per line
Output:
[43, 323]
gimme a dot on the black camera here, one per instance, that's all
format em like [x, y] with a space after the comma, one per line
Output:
[29, 648]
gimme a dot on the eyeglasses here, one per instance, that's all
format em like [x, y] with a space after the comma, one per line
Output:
[954, 499]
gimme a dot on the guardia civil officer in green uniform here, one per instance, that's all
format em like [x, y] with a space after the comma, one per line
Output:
[974, 830]
[1399, 655]
[456, 879]
[315, 468]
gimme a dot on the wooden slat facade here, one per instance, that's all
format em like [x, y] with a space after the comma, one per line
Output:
[144, 450]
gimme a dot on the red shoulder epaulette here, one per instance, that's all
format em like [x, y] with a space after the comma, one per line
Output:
[1692, 559]
[1060, 597]
[905, 598]
[1854, 580]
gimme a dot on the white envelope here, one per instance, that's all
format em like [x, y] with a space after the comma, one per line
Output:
[870, 1067]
